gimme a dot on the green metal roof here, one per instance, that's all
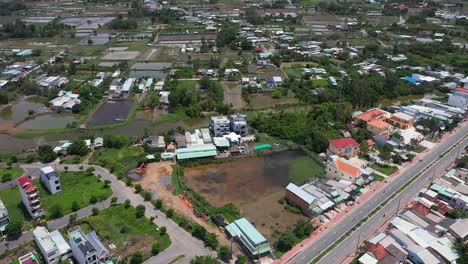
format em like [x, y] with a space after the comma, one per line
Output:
[253, 240]
[221, 142]
[262, 146]
[207, 150]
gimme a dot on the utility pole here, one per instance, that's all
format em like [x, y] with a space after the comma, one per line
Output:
[398, 207]
[357, 244]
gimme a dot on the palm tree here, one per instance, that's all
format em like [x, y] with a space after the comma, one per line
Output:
[462, 249]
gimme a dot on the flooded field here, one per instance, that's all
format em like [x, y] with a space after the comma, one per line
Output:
[48, 122]
[111, 112]
[254, 185]
[20, 110]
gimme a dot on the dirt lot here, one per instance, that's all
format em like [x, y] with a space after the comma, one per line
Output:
[262, 100]
[233, 94]
[254, 185]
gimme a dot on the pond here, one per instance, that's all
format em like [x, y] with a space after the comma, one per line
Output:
[48, 121]
[20, 110]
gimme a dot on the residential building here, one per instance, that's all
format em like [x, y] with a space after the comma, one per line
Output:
[459, 229]
[155, 143]
[4, 219]
[52, 245]
[339, 169]
[50, 179]
[301, 198]
[379, 127]
[401, 120]
[343, 147]
[87, 249]
[459, 98]
[30, 197]
[239, 124]
[219, 125]
[250, 239]
[371, 115]
[28, 259]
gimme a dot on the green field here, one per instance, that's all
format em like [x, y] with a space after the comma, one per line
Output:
[11, 198]
[118, 161]
[304, 168]
[320, 82]
[293, 72]
[76, 186]
[10, 173]
[419, 149]
[139, 233]
[387, 170]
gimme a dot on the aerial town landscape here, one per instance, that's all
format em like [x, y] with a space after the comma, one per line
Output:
[234, 131]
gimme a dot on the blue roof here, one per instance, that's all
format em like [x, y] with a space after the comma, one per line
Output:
[410, 79]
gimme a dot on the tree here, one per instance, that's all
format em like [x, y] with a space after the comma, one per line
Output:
[75, 206]
[95, 211]
[386, 153]
[14, 229]
[303, 229]
[286, 241]
[158, 204]
[93, 200]
[138, 188]
[241, 259]
[170, 212]
[46, 153]
[211, 240]
[90, 41]
[224, 254]
[140, 211]
[127, 203]
[162, 231]
[137, 258]
[147, 196]
[78, 147]
[204, 260]
[56, 211]
[364, 148]
[462, 249]
[155, 249]
[113, 200]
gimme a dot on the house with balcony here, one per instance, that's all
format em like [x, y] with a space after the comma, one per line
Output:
[50, 179]
[4, 219]
[401, 120]
[239, 124]
[459, 97]
[87, 248]
[30, 197]
[343, 147]
[53, 246]
[220, 126]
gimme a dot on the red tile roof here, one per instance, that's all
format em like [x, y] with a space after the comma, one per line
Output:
[344, 142]
[378, 251]
[371, 114]
[461, 90]
[421, 208]
[24, 180]
[378, 123]
[370, 142]
[349, 169]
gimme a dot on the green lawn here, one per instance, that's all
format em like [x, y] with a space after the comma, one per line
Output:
[378, 178]
[11, 198]
[118, 161]
[419, 149]
[76, 186]
[139, 233]
[387, 170]
[293, 72]
[320, 82]
[304, 168]
[177, 115]
[10, 173]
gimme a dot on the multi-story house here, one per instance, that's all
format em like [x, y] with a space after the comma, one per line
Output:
[343, 147]
[87, 249]
[401, 120]
[50, 179]
[239, 124]
[30, 197]
[339, 169]
[459, 97]
[52, 245]
[220, 126]
[4, 219]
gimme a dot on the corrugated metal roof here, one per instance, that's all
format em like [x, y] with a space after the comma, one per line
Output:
[299, 192]
[249, 236]
[201, 151]
[262, 146]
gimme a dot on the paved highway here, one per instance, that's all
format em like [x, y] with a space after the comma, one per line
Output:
[429, 164]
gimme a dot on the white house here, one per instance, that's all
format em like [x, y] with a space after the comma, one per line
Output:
[50, 179]
[53, 246]
[459, 98]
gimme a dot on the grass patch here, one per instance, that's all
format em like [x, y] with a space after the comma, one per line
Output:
[320, 82]
[178, 115]
[76, 186]
[74, 159]
[304, 168]
[387, 170]
[10, 173]
[379, 178]
[118, 161]
[293, 72]
[11, 198]
[139, 233]
[419, 149]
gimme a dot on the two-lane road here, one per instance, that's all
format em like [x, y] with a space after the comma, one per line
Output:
[430, 165]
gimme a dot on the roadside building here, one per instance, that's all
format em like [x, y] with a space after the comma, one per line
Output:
[4, 219]
[87, 249]
[219, 125]
[50, 179]
[299, 197]
[401, 120]
[53, 246]
[30, 197]
[343, 147]
[459, 98]
[195, 152]
[239, 124]
[155, 143]
[340, 169]
[371, 115]
[460, 229]
[250, 239]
